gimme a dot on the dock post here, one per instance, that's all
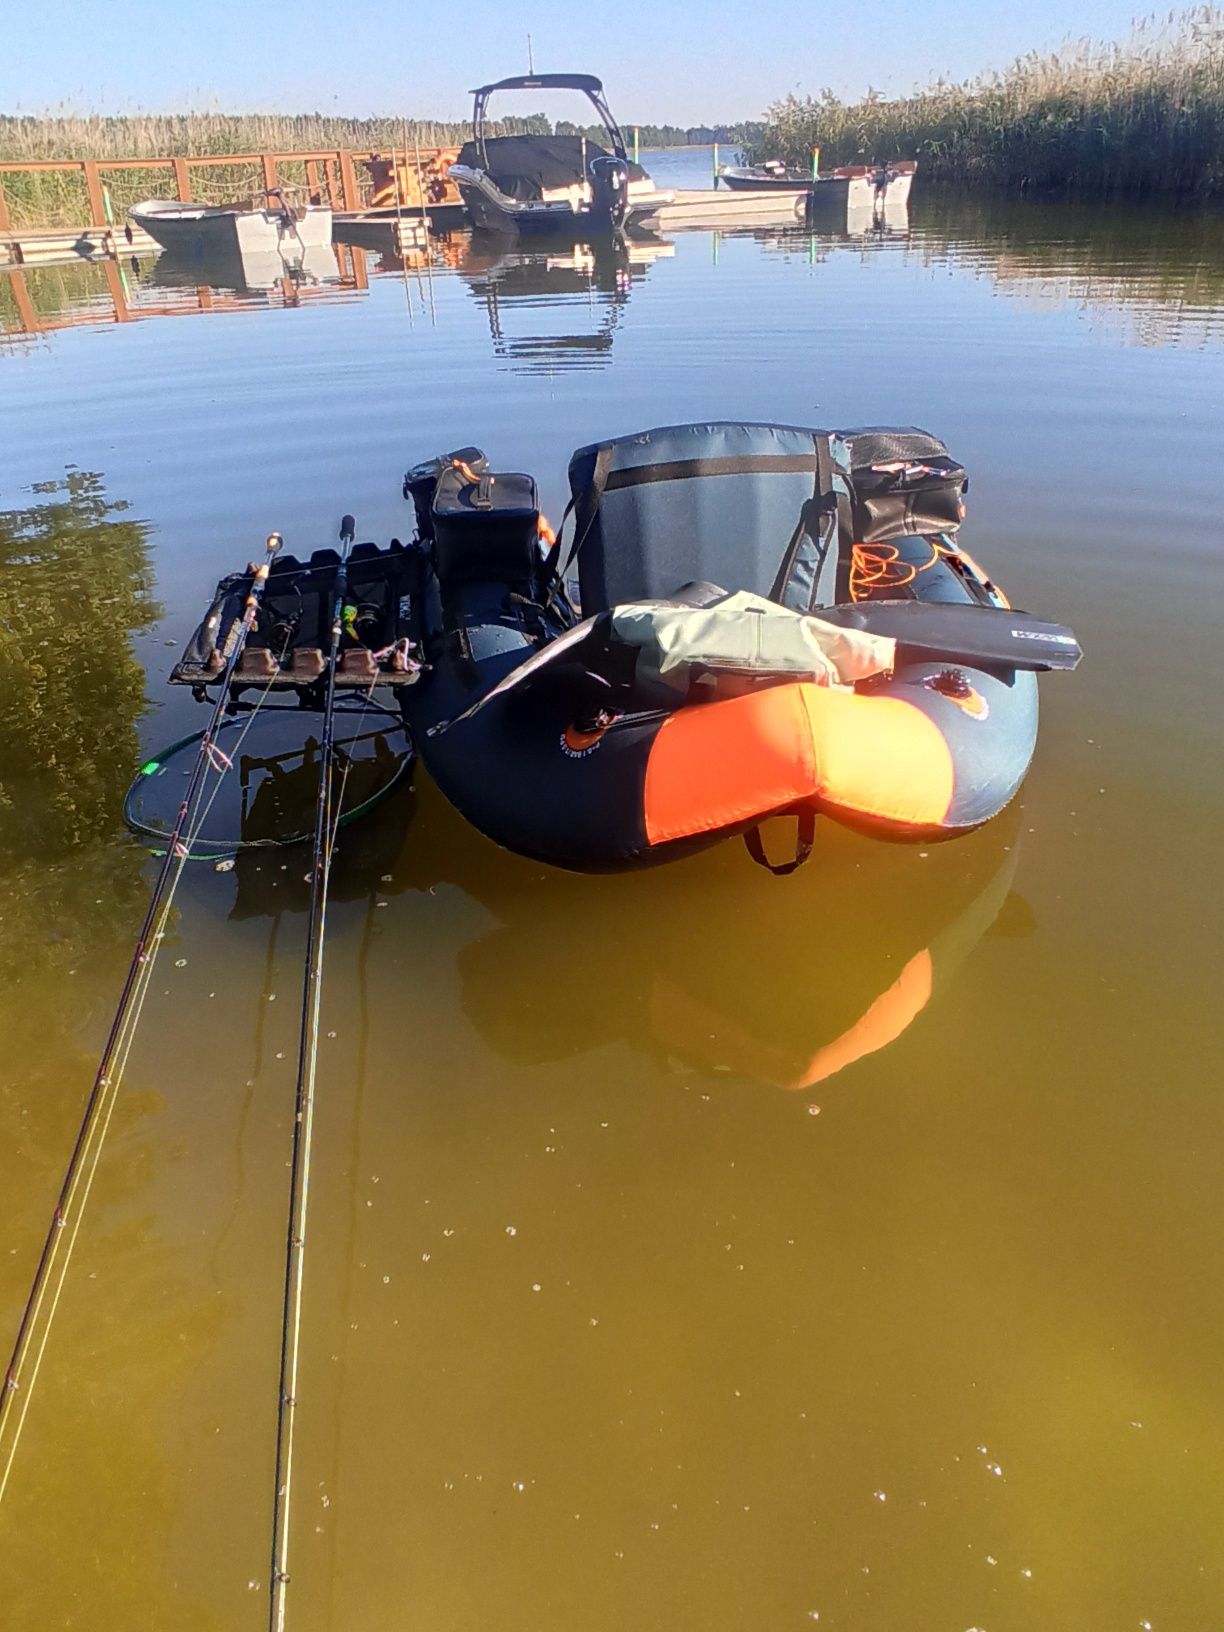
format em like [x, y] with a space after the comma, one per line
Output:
[118, 292]
[637, 138]
[182, 181]
[269, 171]
[6, 224]
[348, 180]
[716, 164]
[815, 164]
[31, 323]
[93, 186]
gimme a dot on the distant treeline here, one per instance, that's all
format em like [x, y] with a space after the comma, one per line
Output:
[154, 135]
[1146, 116]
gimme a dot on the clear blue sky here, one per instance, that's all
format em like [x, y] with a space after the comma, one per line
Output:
[687, 61]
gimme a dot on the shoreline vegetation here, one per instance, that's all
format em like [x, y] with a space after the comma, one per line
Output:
[1144, 116]
[58, 198]
[67, 135]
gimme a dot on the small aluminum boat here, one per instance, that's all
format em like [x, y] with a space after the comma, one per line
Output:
[279, 228]
[850, 187]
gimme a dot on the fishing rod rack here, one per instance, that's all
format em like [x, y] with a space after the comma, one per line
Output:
[287, 650]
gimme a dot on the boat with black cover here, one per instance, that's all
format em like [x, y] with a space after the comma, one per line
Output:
[555, 185]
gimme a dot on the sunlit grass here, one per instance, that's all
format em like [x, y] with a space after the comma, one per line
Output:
[1146, 115]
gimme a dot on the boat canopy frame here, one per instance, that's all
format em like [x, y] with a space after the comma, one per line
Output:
[590, 87]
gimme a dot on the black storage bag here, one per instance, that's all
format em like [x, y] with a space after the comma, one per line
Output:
[903, 481]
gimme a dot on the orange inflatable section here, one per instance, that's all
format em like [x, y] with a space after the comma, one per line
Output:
[719, 764]
[891, 1014]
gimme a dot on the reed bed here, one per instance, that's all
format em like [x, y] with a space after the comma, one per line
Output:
[1143, 116]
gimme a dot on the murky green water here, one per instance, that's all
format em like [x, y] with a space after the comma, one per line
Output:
[654, 1284]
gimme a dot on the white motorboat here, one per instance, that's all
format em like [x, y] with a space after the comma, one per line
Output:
[562, 185]
[278, 228]
[849, 189]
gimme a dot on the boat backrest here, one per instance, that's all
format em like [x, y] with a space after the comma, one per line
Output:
[772, 509]
[728, 503]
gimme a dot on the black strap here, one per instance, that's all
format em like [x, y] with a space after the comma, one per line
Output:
[811, 514]
[586, 507]
[805, 819]
[554, 553]
[732, 464]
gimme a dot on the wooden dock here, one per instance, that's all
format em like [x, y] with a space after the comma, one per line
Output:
[380, 200]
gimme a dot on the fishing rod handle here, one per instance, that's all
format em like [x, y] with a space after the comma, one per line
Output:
[259, 573]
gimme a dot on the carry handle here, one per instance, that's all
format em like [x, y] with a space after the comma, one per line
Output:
[805, 834]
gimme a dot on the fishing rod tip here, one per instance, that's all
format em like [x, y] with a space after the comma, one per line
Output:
[348, 528]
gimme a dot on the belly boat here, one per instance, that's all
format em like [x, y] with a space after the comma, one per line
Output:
[765, 620]
[744, 621]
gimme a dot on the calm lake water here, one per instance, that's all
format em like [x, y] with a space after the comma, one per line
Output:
[635, 1301]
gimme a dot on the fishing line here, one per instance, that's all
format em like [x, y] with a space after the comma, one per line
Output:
[33, 1333]
[303, 1125]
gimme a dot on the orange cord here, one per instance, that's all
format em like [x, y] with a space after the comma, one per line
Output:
[879, 566]
[466, 471]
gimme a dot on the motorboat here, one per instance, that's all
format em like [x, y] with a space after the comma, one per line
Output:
[848, 188]
[771, 177]
[558, 306]
[551, 185]
[278, 227]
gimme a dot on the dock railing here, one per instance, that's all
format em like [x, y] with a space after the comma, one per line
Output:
[99, 187]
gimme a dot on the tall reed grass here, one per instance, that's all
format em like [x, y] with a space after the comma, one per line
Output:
[1143, 116]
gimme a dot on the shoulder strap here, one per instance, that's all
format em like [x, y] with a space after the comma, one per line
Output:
[586, 505]
[808, 525]
[805, 834]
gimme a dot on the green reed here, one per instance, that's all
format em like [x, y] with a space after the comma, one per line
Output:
[1144, 116]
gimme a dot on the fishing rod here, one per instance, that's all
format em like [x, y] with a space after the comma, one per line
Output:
[303, 1124]
[52, 1269]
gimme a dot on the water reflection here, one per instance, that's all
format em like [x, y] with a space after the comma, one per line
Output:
[248, 272]
[77, 583]
[648, 962]
[584, 288]
[77, 586]
[40, 299]
[1154, 275]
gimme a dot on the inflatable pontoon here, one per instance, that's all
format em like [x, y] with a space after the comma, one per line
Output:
[743, 621]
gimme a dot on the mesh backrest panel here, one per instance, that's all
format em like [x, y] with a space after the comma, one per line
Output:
[718, 502]
[880, 444]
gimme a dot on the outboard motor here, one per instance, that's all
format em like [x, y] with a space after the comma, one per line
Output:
[609, 191]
